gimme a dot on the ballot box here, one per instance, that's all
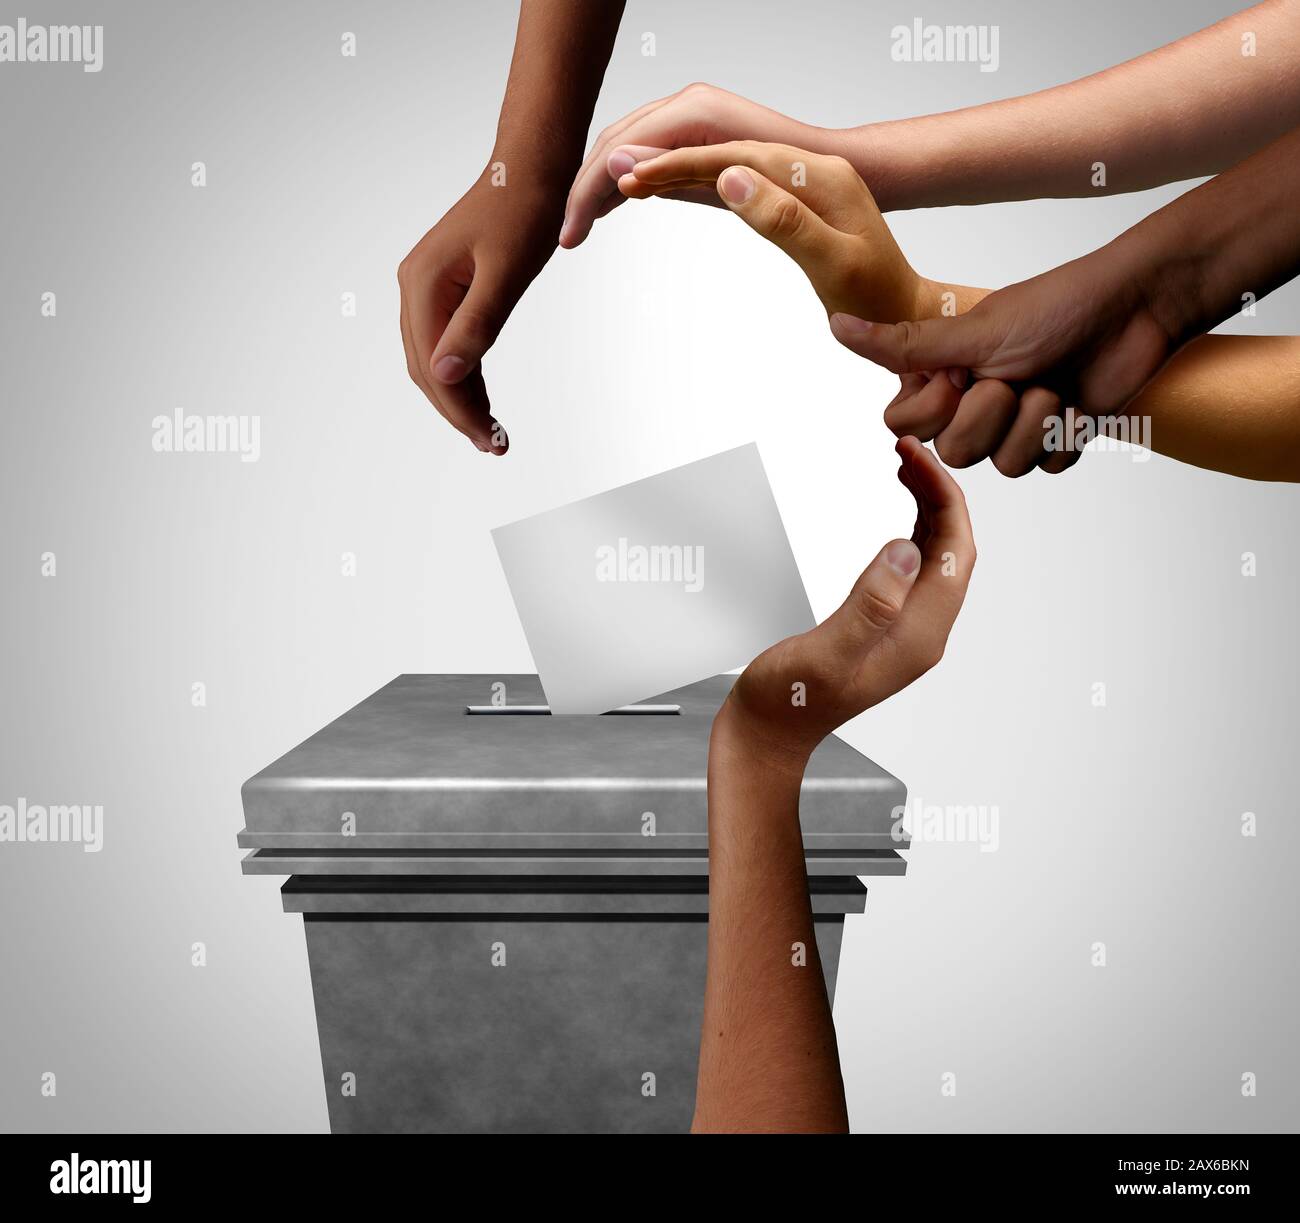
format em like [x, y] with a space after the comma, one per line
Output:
[506, 911]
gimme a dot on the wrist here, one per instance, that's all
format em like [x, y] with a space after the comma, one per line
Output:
[939, 299]
[530, 196]
[540, 163]
[743, 744]
[929, 300]
[893, 159]
[1169, 270]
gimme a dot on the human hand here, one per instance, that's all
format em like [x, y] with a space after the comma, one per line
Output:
[892, 629]
[813, 206]
[1083, 336]
[697, 115]
[459, 285]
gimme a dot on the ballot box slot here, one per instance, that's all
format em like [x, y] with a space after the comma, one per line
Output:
[545, 710]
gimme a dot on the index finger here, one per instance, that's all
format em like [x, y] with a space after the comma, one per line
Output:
[828, 184]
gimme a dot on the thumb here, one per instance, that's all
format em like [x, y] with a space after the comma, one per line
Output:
[471, 330]
[876, 600]
[780, 217]
[910, 347]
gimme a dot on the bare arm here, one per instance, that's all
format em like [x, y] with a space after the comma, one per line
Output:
[561, 50]
[1227, 403]
[463, 278]
[1188, 109]
[1092, 334]
[768, 1059]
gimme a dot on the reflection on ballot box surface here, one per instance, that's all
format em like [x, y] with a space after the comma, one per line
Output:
[506, 914]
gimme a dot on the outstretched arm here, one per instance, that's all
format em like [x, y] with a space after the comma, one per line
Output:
[1228, 403]
[768, 1059]
[1188, 109]
[1093, 334]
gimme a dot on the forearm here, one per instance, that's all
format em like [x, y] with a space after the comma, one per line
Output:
[768, 1058]
[1188, 109]
[1228, 242]
[561, 50]
[1228, 403]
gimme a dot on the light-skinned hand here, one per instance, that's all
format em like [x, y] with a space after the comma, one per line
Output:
[813, 206]
[699, 114]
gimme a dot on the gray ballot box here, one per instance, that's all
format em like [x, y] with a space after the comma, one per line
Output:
[506, 912]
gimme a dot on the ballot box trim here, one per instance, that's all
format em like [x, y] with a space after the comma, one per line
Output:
[847, 843]
[511, 863]
[558, 897]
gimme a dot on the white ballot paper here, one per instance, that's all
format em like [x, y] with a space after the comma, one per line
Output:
[654, 585]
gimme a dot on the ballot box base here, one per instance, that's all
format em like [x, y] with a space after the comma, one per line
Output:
[537, 1005]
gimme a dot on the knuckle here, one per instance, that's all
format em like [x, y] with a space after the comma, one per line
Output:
[481, 322]
[1038, 402]
[841, 167]
[908, 335]
[877, 611]
[786, 218]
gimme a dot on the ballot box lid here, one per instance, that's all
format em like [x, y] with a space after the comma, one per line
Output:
[409, 770]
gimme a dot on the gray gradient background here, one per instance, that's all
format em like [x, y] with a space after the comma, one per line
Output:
[671, 335]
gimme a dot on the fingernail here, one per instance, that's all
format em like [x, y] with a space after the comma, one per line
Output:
[903, 557]
[620, 163]
[958, 377]
[850, 323]
[736, 185]
[450, 369]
